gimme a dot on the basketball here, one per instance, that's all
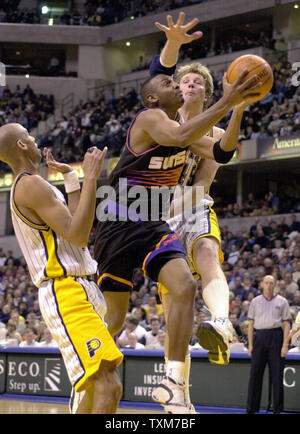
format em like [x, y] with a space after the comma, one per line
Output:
[256, 65]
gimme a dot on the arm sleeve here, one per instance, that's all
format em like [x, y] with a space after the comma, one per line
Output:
[286, 314]
[251, 311]
[157, 68]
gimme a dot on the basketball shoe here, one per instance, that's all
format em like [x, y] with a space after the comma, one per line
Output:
[170, 395]
[215, 336]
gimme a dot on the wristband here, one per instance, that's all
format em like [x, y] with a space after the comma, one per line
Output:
[157, 68]
[71, 181]
[221, 156]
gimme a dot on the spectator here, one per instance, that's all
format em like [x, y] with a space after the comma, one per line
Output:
[244, 312]
[261, 239]
[236, 345]
[295, 225]
[291, 286]
[248, 289]
[150, 338]
[244, 329]
[296, 273]
[295, 348]
[132, 342]
[140, 314]
[161, 338]
[12, 332]
[48, 340]
[234, 255]
[278, 249]
[237, 287]
[153, 306]
[295, 304]
[5, 313]
[234, 321]
[18, 320]
[29, 340]
[273, 202]
[131, 326]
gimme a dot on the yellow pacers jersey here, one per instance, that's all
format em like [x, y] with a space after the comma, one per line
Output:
[47, 254]
[191, 165]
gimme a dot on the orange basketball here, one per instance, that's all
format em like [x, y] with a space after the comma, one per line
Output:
[256, 65]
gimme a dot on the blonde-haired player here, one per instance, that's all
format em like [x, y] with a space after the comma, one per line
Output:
[203, 246]
[53, 238]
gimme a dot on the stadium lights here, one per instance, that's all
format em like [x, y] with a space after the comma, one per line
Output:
[27, 76]
[128, 44]
[45, 10]
[132, 17]
[50, 22]
[296, 6]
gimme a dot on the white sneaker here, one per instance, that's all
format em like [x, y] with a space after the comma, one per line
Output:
[192, 409]
[215, 336]
[170, 395]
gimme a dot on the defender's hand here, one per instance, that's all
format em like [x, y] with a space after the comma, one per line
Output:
[177, 33]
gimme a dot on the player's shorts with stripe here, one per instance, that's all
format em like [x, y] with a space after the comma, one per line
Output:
[201, 223]
[121, 247]
[73, 308]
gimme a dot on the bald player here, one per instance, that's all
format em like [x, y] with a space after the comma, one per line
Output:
[54, 245]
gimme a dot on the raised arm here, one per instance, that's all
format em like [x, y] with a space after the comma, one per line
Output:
[72, 185]
[228, 140]
[176, 36]
[154, 126]
[165, 63]
[35, 194]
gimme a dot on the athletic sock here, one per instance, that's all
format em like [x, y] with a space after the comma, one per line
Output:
[187, 368]
[175, 370]
[216, 297]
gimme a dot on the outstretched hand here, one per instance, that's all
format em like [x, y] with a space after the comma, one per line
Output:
[177, 33]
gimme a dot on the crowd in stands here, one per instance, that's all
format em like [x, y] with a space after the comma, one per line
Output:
[275, 115]
[273, 249]
[230, 43]
[104, 121]
[10, 13]
[268, 204]
[106, 12]
[24, 107]
[96, 12]
[101, 122]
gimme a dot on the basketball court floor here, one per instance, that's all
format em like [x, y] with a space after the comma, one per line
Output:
[14, 404]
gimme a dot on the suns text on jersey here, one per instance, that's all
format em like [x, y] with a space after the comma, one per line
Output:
[165, 163]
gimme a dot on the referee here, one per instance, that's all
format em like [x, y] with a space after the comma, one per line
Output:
[268, 334]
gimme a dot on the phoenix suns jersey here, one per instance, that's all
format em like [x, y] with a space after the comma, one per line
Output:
[156, 167]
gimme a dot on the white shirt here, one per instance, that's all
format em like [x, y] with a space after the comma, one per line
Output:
[34, 344]
[139, 332]
[51, 344]
[269, 314]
